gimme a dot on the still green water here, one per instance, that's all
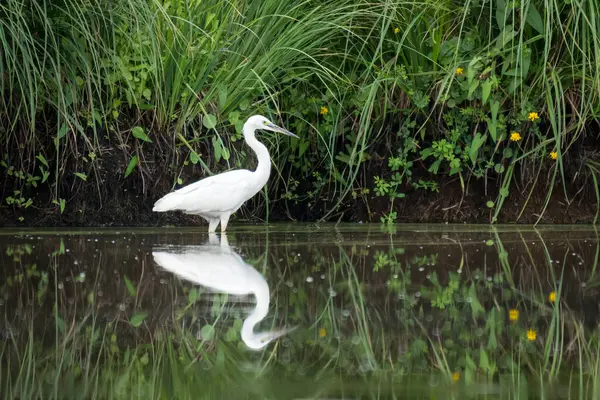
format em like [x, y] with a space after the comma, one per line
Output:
[301, 311]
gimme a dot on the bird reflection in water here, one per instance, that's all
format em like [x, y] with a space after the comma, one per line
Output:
[220, 269]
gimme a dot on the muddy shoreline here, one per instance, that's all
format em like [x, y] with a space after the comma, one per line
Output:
[107, 198]
[129, 208]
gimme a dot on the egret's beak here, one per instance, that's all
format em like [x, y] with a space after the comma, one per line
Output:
[279, 333]
[280, 129]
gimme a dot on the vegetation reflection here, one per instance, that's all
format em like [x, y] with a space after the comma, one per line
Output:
[458, 314]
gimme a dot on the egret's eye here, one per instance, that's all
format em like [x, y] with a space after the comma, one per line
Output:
[266, 122]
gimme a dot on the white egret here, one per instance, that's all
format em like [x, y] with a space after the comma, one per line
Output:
[221, 269]
[217, 197]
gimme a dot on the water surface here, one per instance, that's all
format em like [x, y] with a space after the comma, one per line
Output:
[298, 311]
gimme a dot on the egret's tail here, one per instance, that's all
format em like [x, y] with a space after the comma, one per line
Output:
[166, 203]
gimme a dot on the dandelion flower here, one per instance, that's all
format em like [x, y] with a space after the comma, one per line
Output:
[324, 110]
[396, 30]
[533, 116]
[459, 71]
[322, 332]
[513, 314]
[531, 335]
[552, 297]
[456, 376]
[554, 156]
[515, 136]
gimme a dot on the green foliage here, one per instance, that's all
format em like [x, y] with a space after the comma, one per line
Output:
[420, 84]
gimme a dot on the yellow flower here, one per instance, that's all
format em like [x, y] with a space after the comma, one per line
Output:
[459, 71]
[513, 314]
[531, 335]
[515, 136]
[552, 297]
[324, 110]
[533, 116]
[396, 30]
[554, 156]
[322, 332]
[456, 376]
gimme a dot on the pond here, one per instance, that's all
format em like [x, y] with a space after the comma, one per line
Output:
[298, 311]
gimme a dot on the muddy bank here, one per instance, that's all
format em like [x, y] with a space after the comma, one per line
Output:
[107, 198]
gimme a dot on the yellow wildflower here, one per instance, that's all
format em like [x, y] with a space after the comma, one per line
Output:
[554, 156]
[515, 136]
[552, 297]
[322, 332]
[324, 110]
[531, 335]
[513, 314]
[459, 71]
[396, 30]
[533, 116]
[456, 376]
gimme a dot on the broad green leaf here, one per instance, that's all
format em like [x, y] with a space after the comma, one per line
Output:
[42, 160]
[534, 18]
[194, 157]
[45, 174]
[476, 307]
[484, 362]
[231, 335]
[500, 13]
[209, 121]
[62, 131]
[476, 144]
[495, 107]
[225, 154]
[137, 318]
[81, 175]
[132, 164]
[193, 296]
[130, 287]
[138, 133]
[486, 89]
[234, 117]
[207, 332]
[492, 129]
[473, 86]
[435, 166]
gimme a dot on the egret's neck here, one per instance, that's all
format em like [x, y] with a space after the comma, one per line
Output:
[263, 170]
[260, 311]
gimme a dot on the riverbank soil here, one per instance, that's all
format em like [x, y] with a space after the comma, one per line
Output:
[109, 199]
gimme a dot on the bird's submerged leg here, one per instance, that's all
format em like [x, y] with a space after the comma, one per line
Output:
[212, 225]
[224, 221]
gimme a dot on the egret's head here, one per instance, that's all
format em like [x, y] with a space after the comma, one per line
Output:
[257, 341]
[260, 122]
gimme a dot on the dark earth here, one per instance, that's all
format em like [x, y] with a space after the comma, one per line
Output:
[109, 199]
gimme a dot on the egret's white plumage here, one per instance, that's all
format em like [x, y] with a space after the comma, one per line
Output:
[217, 197]
[221, 269]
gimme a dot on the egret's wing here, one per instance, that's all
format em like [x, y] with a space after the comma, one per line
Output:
[216, 193]
[207, 267]
[225, 178]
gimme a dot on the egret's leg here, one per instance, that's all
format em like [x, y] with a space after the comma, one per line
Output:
[212, 225]
[224, 221]
[213, 240]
